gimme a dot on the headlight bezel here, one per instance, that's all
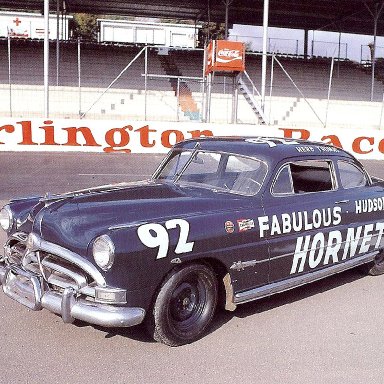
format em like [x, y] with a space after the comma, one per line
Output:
[6, 210]
[103, 252]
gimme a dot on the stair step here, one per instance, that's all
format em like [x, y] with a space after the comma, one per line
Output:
[250, 98]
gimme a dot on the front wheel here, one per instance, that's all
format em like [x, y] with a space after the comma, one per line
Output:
[185, 305]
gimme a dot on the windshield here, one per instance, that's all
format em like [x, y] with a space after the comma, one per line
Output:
[217, 171]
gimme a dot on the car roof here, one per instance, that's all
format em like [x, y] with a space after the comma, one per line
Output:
[268, 148]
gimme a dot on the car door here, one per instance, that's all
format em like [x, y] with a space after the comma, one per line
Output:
[248, 254]
[363, 206]
[303, 221]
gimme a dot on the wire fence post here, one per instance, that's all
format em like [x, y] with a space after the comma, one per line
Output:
[271, 88]
[235, 97]
[79, 73]
[46, 58]
[145, 81]
[178, 99]
[381, 112]
[57, 42]
[265, 48]
[9, 74]
[329, 91]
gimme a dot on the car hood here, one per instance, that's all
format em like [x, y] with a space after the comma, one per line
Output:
[74, 220]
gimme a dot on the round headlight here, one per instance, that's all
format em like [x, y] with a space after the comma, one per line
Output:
[6, 218]
[104, 252]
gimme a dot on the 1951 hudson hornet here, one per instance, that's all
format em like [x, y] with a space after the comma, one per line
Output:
[236, 219]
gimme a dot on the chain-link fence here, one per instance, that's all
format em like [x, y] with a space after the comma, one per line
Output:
[98, 81]
[101, 81]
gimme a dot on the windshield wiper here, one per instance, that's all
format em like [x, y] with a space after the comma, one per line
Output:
[186, 165]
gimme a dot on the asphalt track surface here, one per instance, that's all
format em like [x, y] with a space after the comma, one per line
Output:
[327, 332]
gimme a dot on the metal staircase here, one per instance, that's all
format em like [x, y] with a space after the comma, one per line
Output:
[250, 96]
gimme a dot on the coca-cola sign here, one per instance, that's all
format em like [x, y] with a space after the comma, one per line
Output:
[223, 55]
[227, 55]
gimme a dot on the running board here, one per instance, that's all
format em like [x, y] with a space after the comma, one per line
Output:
[285, 285]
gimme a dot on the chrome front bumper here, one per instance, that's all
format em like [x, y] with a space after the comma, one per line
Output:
[27, 289]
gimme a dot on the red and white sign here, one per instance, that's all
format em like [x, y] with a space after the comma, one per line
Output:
[158, 137]
[31, 25]
[224, 55]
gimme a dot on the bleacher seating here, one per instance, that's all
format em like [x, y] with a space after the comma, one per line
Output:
[101, 64]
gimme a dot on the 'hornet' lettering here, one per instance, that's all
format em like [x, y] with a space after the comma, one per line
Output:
[324, 249]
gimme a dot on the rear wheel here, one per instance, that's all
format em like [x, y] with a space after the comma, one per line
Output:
[185, 305]
[376, 267]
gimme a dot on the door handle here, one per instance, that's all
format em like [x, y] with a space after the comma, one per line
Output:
[342, 202]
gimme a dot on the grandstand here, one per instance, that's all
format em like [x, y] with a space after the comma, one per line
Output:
[173, 88]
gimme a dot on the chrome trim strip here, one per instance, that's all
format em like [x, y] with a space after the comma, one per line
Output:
[127, 226]
[87, 291]
[76, 277]
[241, 265]
[19, 236]
[294, 282]
[2, 273]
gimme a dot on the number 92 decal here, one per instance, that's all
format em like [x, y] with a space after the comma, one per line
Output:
[157, 236]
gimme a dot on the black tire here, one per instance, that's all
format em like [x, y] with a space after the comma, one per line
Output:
[376, 267]
[185, 305]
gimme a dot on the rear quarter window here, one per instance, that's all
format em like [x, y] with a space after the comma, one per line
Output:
[351, 176]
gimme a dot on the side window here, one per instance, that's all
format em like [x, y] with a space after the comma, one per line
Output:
[244, 175]
[283, 183]
[351, 176]
[312, 176]
[241, 164]
[304, 177]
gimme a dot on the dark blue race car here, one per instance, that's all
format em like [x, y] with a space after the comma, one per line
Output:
[221, 221]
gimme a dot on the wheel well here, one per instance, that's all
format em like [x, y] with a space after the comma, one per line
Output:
[219, 269]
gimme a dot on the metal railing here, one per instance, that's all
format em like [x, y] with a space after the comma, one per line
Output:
[329, 49]
[278, 45]
[366, 53]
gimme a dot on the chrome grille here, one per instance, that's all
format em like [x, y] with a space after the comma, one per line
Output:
[16, 253]
[57, 272]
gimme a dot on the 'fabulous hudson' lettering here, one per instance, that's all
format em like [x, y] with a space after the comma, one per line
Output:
[369, 205]
[298, 221]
